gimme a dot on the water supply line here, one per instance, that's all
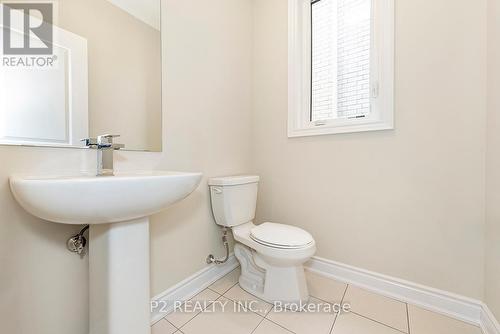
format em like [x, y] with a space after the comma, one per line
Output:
[77, 243]
[211, 258]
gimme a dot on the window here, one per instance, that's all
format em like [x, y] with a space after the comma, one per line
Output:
[341, 66]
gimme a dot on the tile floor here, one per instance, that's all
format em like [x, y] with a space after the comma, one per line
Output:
[370, 313]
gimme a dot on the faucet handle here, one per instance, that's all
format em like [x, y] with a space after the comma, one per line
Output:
[89, 142]
[107, 141]
[103, 141]
[108, 136]
[117, 147]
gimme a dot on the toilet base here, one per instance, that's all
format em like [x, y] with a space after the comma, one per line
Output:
[283, 284]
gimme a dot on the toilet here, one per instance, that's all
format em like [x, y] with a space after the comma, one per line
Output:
[271, 255]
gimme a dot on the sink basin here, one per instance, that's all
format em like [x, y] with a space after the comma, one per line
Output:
[117, 209]
[101, 200]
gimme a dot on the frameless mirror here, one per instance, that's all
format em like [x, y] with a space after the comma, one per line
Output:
[73, 69]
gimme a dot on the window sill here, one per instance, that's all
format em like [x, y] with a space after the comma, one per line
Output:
[329, 129]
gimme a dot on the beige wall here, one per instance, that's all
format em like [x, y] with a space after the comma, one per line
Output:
[44, 288]
[408, 202]
[208, 102]
[124, 58]
[493, 162]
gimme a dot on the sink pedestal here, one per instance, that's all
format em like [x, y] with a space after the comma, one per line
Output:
[119, 278]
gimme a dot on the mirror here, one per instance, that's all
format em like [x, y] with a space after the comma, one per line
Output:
[73, 69]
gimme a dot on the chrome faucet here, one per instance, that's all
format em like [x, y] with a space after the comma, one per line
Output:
[105, 148]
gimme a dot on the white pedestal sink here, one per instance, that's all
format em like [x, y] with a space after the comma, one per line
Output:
[117, 208]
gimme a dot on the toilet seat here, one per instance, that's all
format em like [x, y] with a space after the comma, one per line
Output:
[281, 236]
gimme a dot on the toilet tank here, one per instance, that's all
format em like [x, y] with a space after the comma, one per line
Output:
[234, 199]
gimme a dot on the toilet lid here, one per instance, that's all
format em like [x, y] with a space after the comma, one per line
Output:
[280, 235]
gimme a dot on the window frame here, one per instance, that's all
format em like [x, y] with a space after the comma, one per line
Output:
[381, 115]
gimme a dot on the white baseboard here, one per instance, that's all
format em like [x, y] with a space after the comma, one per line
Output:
[462, 308]
[489, 324]
[189, 287]
[466, 309]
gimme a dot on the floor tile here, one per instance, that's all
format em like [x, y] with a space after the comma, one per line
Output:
[163, 327]
[180, 317]
[223, 318]
[325, 288]
[427, 322]
[376, 307]
[268, 327]
[226, 282]
[237, 294]
[305, 322]
[350, 323]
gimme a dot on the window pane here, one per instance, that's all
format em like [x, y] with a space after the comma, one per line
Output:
[340, 77]
[324, 60]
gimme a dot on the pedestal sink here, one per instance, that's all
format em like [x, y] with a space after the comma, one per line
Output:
[118, 210]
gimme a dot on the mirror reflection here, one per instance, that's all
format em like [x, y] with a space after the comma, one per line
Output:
[83, 68]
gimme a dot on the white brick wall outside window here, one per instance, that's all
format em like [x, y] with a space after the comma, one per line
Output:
[341, 41]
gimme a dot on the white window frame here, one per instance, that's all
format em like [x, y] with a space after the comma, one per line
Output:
[381, 115]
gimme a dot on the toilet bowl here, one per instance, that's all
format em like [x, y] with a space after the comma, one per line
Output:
[271, 255]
